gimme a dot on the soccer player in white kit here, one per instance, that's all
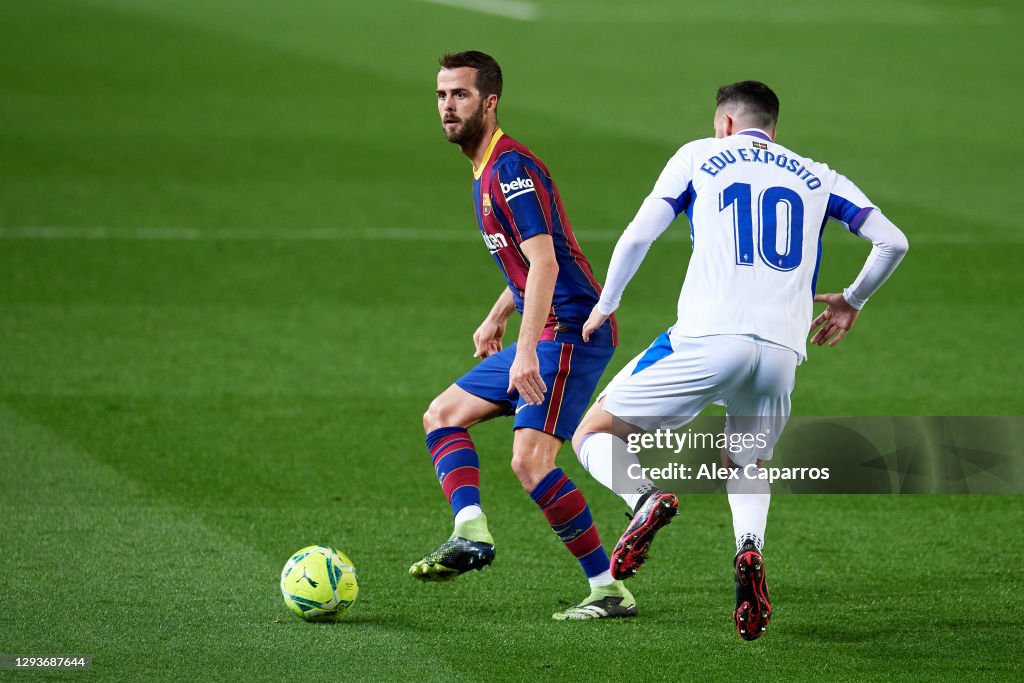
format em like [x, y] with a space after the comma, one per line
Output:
[756, 211]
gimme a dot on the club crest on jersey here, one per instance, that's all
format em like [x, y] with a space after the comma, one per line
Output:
[494, 241]
[517, 187]
[486, 203]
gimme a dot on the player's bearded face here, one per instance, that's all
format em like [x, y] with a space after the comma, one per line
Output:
[465, 131]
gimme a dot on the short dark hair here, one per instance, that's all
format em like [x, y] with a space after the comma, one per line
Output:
[488, 73]
[757, 100]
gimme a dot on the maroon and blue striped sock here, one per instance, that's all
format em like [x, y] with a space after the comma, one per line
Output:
[457, 466]
[566, 511]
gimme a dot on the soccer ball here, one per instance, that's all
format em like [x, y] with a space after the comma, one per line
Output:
[319, 583]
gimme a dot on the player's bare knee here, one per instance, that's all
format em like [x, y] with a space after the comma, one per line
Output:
[430, 421]
[529, 470]
[530, 462]
[596, 420]
[523, 469]
[440, 413]
[579, 437]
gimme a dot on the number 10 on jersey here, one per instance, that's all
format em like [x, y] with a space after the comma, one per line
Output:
[739, 194]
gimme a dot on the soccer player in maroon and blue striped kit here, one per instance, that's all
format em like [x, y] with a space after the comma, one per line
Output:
[545, 379]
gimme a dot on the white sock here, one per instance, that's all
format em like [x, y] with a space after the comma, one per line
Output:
[606, 458]
[602, 579]
[467, 513]
[749, 500]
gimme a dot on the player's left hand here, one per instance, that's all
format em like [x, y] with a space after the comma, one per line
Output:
[524, 377]
[836, 320]
[596, 319]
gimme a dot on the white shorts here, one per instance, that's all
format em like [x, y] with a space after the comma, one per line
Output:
[676, 377]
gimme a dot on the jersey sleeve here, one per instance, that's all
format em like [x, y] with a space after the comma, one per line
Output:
[888, 247]
[847, 204]
[671, 196]
[675, 184]
[523, 195]
[651, 220]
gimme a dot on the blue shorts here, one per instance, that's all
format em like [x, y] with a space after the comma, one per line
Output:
[570, 373]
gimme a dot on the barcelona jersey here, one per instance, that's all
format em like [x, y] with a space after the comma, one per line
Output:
[516, 199]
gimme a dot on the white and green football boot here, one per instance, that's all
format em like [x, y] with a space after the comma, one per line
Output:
[604, 602]
[470, 547]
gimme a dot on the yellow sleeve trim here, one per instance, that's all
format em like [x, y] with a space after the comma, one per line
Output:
[487, 155]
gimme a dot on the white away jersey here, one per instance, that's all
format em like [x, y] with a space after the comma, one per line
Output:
[757, 211]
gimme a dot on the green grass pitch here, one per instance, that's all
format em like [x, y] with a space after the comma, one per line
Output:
[237, 259]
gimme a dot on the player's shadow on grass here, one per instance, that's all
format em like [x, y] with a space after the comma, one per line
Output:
[391, 622]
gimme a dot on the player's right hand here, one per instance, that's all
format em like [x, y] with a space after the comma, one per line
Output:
[596, 319]
[487, 338]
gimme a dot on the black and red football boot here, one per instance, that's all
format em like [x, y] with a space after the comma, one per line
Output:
[654, 511]
[753, 608]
